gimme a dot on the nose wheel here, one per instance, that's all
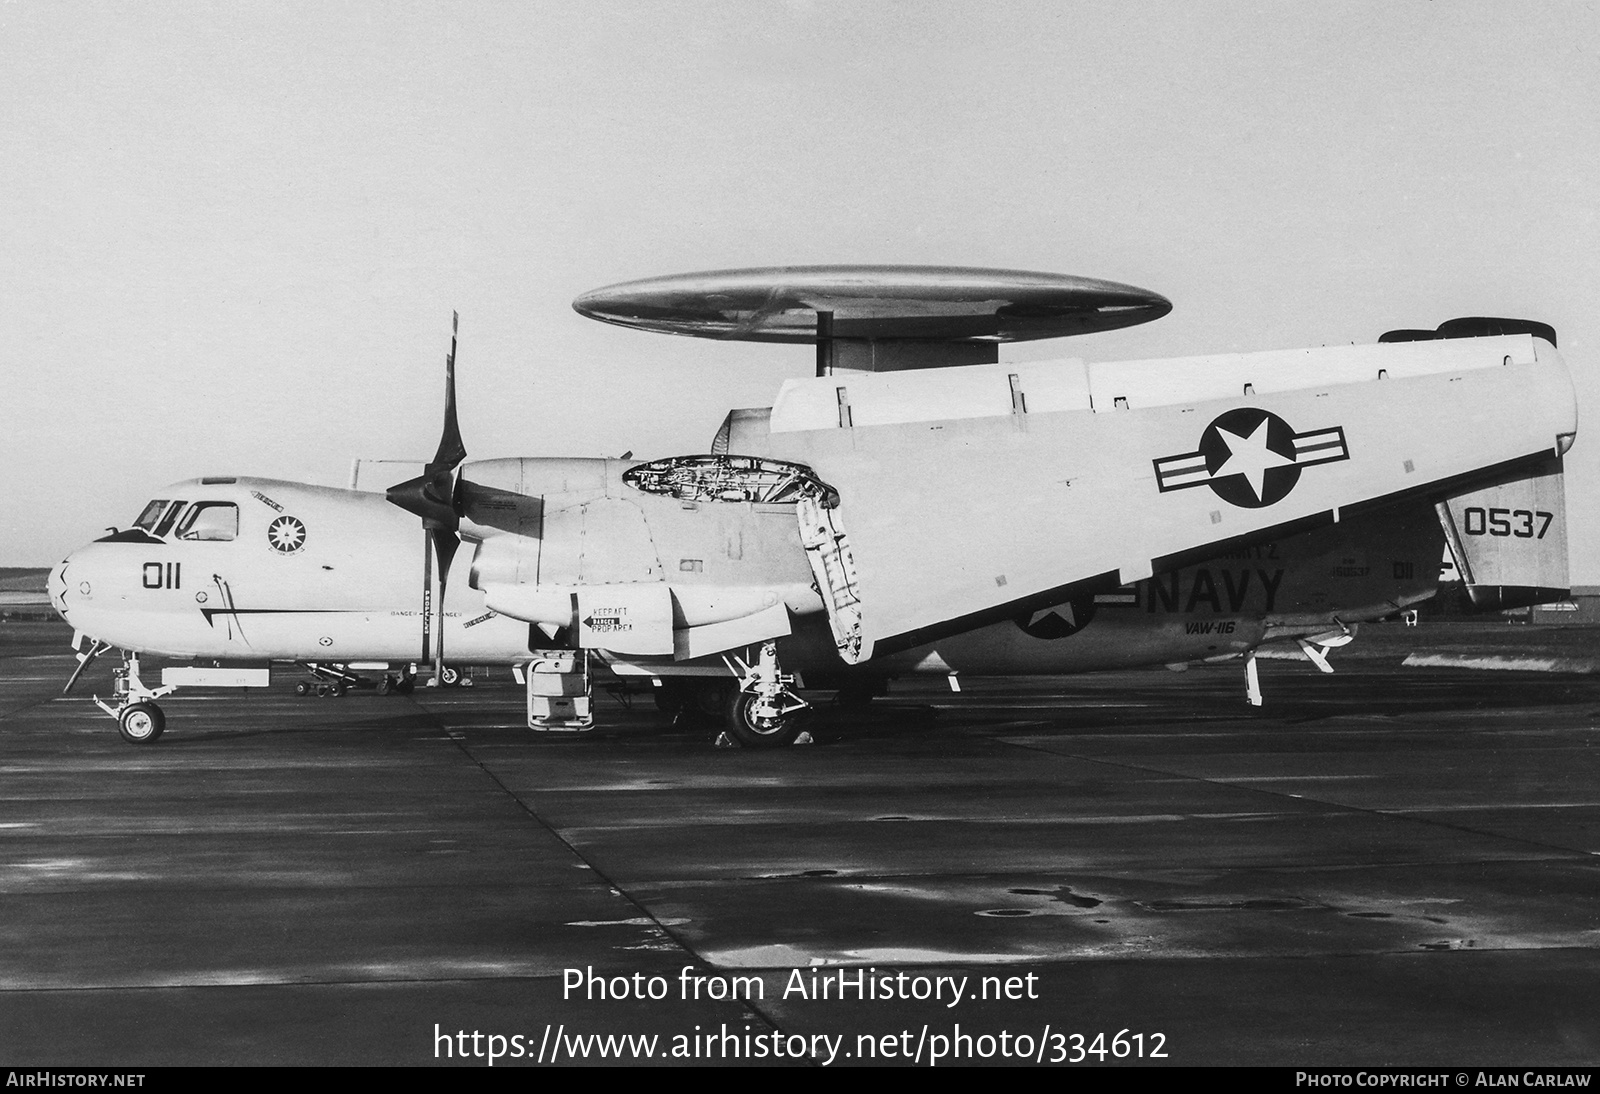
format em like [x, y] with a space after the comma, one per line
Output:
[141, 723]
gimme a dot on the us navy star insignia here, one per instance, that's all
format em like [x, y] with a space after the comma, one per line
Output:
[1058, 620]
[1062, 612]
[1250, 458]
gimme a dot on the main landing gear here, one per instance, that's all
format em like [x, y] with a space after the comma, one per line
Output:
[139, 720]
[764, 712]
[757, 708]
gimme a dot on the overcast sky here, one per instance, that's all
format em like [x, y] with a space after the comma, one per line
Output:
[232, 234]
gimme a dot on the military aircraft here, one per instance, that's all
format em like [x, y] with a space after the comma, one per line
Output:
[914, 506]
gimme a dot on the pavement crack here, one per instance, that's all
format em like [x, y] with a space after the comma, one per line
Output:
[599, 873]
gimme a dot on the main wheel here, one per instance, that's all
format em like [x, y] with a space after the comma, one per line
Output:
[141, 723]
[756, 731]
[385, 684]
[302, 687]
[336, 689]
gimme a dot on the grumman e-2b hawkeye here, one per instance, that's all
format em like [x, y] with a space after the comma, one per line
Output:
[915, 506]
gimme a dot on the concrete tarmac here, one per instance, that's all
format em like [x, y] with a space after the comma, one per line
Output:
[1385, 866]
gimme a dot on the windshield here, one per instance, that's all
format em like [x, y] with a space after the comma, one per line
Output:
[156, 518]
[151, 514]
[172, 514]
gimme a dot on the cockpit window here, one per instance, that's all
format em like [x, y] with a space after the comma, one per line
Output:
[172, 514]
[157, 517]
[210, 521]
[150, 515]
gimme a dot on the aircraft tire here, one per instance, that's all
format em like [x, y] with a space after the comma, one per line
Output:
[406, 686]
[385, 684]
[336, 690]
[141, 723]
[301, 687]
[449, 677]
[754, 732]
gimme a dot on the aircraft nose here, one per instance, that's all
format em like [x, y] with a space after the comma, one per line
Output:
[56, 587]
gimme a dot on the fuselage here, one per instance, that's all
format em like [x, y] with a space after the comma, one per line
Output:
[277, 571]
[245, 569]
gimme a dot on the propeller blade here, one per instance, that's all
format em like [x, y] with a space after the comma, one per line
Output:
[452, 449]
[432, 496]
[445, 543]
[427, 596]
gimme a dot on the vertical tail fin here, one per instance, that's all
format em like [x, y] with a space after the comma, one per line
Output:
[1509, 540]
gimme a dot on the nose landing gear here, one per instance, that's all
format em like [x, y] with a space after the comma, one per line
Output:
[139, 720]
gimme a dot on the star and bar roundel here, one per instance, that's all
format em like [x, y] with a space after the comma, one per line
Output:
[1250, 458]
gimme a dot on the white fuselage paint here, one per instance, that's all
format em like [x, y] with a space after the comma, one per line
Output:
[352, 591]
